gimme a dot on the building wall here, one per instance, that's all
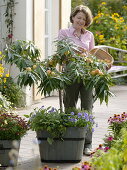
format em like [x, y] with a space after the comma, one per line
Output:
[65, 13]
[2, 25]
[55, 21]
[24, 31]
[29, 24]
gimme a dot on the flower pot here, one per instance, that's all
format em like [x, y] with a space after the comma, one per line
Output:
[70, 149]
[9, 152]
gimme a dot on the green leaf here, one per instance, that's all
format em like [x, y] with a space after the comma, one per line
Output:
[50, 140]
[27, 116]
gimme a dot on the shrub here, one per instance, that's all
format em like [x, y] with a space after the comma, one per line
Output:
[4, 104]
[109, 28]
[12, 92]
[12, 126]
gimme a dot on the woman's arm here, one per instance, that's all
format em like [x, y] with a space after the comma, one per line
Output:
[61, 34]
[92, 42]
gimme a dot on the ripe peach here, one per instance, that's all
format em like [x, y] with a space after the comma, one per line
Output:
[92, 72]
[48, 72]
[34, 66]
[28, 69]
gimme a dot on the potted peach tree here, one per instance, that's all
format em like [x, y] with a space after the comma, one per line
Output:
[89, 69]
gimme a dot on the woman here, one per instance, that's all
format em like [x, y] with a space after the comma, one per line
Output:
[81, 18]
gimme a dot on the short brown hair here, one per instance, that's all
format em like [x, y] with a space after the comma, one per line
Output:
[86, 11]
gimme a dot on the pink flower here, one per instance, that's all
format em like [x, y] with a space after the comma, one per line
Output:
[106, 149]
[85, 167]
[110, 138]
[10, 35]
[100, 147]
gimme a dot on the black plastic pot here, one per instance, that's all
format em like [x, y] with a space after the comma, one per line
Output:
[70, 149]
[9, 152]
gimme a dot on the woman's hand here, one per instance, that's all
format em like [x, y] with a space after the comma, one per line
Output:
[82, 50]
[109, 66]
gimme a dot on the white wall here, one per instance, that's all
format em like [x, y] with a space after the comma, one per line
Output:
[66, 10]
[29, 20]
[24, 20]
[23, 30]
[3, 28]
[20, 20]
[55, 21]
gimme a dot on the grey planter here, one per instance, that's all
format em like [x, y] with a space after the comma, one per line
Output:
[68, 150]
[9, 152]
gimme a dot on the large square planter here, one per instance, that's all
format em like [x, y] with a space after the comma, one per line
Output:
[9, 153]
[70, 149]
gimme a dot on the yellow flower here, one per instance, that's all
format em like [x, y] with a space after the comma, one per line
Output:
[4, 80]
[121, 19]
[102, 41]
[0, 53]
[103, 3]
[116, 27]
[116, 14]
[101, 36]
[7, 75]
[1, 69]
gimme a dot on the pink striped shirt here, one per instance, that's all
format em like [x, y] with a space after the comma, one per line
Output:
[86, 40]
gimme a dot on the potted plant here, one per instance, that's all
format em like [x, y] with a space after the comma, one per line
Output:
[12, 129]
[60, 135]
[91, 70]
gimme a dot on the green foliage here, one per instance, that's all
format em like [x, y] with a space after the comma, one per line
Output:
[107, 161]
[45, 74]
[115, 158]
[9, 19]
[26, 57]
[90, 70]
[12, 92]
[75, 3]
[12, 126]
[116, 123]
[113, 5]
[4, 104]
[22, 53]
[114, 155]
[50, 78]
[48, 119]
[109, 28]
[55, 121]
